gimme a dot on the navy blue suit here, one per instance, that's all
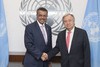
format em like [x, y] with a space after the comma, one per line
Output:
[35, 45]
[79, 55]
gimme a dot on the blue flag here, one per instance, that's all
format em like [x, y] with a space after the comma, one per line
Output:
[3, 38]
[91, 24]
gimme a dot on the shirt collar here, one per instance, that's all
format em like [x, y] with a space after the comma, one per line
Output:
[71, 30]
[40, 24]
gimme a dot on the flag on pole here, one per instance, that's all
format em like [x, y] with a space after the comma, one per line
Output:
[91, 24]
[3, 38]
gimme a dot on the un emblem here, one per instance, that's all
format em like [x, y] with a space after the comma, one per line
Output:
[92, 25]
[56, 8]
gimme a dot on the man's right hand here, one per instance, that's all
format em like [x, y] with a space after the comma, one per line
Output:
[44, 56]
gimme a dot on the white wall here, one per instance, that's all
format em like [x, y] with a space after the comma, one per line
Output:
[14, 26]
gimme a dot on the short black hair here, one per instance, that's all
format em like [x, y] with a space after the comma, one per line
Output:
[43, 9]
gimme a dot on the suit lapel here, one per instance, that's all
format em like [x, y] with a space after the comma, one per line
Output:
[74, 39]
[64, 41]
[39, 31]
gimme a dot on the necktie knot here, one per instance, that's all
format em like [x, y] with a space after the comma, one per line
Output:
[69, 32]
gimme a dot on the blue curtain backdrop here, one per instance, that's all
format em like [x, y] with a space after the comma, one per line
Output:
[91, 24]
[3, 38]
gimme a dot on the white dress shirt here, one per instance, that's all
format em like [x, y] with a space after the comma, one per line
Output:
[71, 37]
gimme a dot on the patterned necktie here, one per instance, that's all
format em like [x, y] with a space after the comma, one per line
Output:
[68, 39]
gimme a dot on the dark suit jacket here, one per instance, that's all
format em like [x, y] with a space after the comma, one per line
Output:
[79, 55]
[35, 45]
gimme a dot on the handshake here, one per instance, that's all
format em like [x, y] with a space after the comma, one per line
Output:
[44, 56]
